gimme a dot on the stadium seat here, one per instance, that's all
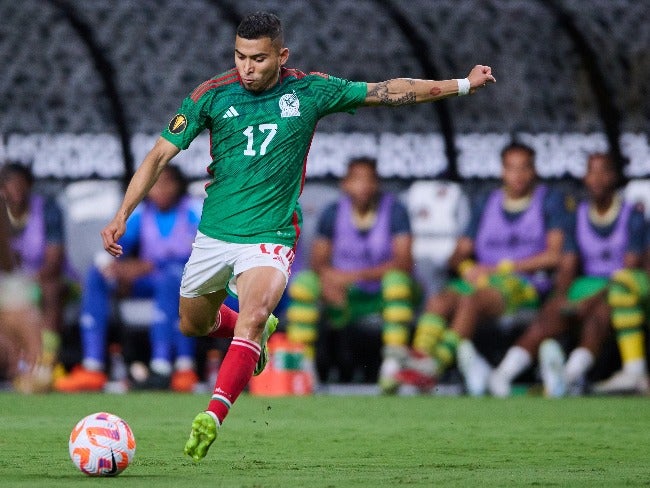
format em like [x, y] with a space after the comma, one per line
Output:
[439, 211]
[87, 207]
[135, 312]
[638, 192]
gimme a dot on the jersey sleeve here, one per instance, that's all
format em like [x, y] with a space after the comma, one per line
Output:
[476, 214]
[399, 220]
[53, 223]
[636, 228]
[190, 120]
[557, 214]
[570, 244]
[338, 95]
[325, 226]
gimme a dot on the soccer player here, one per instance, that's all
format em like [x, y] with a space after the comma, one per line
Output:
[599, 281]
[514, 239]
[21, 352]
[261, 117]
[360, 265]
[37, 241]
[158, 241]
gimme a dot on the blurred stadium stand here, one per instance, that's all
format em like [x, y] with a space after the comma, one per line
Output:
[122, 67]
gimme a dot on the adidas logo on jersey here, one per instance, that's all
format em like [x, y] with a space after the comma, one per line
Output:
[231, 112]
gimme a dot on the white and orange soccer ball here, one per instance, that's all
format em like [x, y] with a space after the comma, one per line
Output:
[102, 444]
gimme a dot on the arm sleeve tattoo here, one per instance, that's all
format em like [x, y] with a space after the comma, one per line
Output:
[389, 94]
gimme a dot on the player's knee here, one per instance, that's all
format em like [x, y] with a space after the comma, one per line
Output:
[254, 320]
[186, 327]
[190, 328]
[396, 285]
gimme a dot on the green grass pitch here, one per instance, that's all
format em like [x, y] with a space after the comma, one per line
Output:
[336, 441]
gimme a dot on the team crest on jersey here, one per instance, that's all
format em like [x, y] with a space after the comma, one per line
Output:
[177, 124]
[290, 105]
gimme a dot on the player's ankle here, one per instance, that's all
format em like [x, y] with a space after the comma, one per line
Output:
[214, 417]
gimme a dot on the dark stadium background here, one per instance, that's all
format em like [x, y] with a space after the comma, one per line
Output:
[122, 67]
[86, 85]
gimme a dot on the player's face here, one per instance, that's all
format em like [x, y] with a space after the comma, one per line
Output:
[15, 190]
[166, 192]
[600, 179]
[518, 173]
[362, 185]
[258, 62]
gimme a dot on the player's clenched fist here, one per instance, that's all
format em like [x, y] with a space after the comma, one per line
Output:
[479, 77]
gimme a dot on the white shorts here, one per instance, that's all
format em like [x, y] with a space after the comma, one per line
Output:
[214, 265]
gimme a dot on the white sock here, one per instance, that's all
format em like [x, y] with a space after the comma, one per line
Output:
[636, 367]
[183, 363]
[161, 366]
[579, 362]
[516, 360]
[92, 364]
[214, 416]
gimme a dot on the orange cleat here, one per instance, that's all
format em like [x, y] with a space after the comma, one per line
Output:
[184, 381]
[81, 379]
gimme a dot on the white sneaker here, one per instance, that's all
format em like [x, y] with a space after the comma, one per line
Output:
[623, 382]
[391, 365]
[498, 385]
[551, 364]
[388, 371]
[474, 368]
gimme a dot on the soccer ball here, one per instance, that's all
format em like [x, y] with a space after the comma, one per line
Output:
[101, 444]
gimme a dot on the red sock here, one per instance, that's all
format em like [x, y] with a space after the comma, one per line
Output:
[235, 372]
[225, 322]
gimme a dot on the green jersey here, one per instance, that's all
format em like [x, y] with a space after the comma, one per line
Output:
[258, 144]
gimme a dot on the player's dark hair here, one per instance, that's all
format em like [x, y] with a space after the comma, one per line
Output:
[179, 177]
[366, 161]
[261, 24]
[518, 146]
[11, 168]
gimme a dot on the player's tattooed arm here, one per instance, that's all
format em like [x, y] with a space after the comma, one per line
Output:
[391, 92]
[407, 91]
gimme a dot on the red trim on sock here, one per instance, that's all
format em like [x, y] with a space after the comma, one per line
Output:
[235, 372]
[225, 320]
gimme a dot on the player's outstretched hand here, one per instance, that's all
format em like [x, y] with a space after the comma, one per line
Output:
[479, 77]
[111, 234]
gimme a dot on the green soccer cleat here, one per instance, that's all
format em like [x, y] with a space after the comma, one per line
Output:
[269, 328]
[204, 432]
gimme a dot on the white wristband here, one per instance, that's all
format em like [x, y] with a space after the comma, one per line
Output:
[463, 86]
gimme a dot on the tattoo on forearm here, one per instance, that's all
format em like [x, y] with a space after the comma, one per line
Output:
[382, 93]
[435, 91]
